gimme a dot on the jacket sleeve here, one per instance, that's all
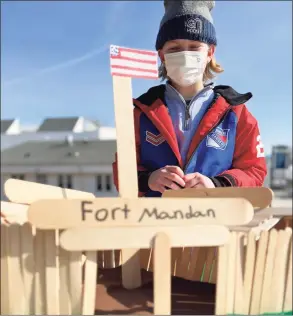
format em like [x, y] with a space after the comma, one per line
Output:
[249, 165]
[143, 174]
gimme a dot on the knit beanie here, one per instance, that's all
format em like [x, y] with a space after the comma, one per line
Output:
[187, 19]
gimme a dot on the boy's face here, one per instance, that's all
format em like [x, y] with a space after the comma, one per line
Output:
[186, 45]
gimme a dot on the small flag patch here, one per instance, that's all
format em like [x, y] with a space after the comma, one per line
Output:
[135, 63]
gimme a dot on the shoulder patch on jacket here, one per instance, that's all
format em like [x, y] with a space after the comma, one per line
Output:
[152, 95]
[231, 96]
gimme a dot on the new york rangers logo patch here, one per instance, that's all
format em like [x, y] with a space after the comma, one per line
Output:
[218, 138]
[153, 139]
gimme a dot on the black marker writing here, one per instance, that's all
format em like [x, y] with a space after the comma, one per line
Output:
[177, 214]
[102, 214]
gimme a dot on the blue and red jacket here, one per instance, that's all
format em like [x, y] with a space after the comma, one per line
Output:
[226, 146]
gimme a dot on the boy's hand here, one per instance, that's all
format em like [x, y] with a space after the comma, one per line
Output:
[168, 176]
[198, 180]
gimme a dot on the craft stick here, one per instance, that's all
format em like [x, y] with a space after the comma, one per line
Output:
[259, 273]
[90, 283]
[40, 281]
[162, 275]
[239, 286]
[268, 273]
[75, 279]
[28, 265]
[62, 214]
[64, 301]
[287, 306]
[127, 168]
[4, 280]
[259, 197]
[26, 192]
[231, 266]
[14, 213]
[183, 264]
[91, 239]
[281, 211]
[249, 271]
[265, 226]
[52, 273]
[17, 304]
[279, 272]
[198, 269]
[191, 273]
[175, 256]
[222, 277]
[214, 273]
[210, 255]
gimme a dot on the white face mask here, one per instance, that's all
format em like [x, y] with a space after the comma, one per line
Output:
[186, 68]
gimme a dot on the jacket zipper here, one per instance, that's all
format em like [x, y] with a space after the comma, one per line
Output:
[187, 116]
[218, 121]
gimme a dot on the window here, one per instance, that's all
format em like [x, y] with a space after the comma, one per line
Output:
[99, 184]
[280, 160]
[103, 183]
[18, 176]
[65, 181]
[42, 178]
[108, 183]
[69, 182]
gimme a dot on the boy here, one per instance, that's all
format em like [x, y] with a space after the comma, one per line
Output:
[190, 134]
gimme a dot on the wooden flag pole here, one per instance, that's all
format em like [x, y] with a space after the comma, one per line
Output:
[122, 71]
[127, 169]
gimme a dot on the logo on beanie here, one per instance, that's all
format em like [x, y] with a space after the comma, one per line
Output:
[194, 25]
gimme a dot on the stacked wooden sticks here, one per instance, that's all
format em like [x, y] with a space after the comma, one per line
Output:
[49, 277]
[255, 277]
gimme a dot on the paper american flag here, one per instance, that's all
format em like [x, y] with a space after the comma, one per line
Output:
[135, 63]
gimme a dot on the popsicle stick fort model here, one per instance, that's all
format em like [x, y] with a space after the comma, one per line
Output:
[55, 241]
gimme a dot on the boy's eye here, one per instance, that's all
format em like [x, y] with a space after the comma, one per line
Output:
[174, 49]
[194, 48]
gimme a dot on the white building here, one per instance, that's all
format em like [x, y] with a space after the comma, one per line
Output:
[67, 152]
[13, 133]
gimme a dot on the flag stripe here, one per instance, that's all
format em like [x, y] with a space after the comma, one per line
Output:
[138, 56]
[140, 51]
[152, 62]
[134, 76]
[154, 71]
[132, 64]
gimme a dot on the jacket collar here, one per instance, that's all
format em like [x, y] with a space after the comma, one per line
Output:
[153, 105]
[231, 96]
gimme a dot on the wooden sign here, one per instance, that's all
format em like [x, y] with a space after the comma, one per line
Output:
[107, 238]
[107, 212]
[259, 197]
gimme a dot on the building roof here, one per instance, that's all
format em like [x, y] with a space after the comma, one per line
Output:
[5, 124]
[94, 152]
[61, 124]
